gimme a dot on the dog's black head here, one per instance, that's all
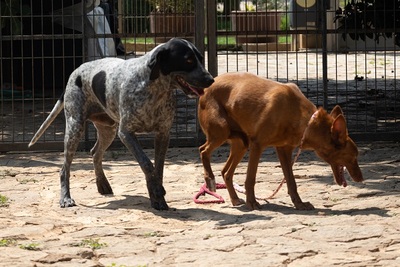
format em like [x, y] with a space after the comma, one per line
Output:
[183, 61]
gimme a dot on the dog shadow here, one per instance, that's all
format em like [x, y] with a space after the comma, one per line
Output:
[184, 214]
[203, 213]
[288, 210]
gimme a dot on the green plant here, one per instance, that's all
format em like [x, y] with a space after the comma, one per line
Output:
[27, 180]
[221, 40]
[223, 23]
[6, 242]
[12, 12]
[151, 234]
[30, 246]
[284, 26]
[334, 200]
[284, 39]
[3, 201]
[262, 5]
[92, 243]
[249, 6]
[274, 4]
[370, 18]
[172, 6]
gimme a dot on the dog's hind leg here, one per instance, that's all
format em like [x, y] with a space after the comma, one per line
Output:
[238, 150]
[213, 121]
[205, 154]
[73, 133]
[105, 136]
[254, 159]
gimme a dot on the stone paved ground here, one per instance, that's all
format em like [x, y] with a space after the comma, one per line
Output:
[353, 226]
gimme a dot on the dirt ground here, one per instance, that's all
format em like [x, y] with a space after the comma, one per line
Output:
[353, 226]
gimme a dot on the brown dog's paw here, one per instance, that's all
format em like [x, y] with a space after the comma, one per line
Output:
[253, 205]
[238, 202]
[304, 206]
[211, 185]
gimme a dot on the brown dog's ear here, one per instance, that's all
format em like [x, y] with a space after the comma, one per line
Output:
[339, 130]
[336, 111]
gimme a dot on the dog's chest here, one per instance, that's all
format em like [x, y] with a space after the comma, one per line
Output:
[148, 110]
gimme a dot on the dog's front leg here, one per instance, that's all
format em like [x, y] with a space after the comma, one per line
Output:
[156, 194]
[285, 157]
[155, 184]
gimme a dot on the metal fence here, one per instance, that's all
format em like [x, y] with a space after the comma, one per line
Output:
[336, 51]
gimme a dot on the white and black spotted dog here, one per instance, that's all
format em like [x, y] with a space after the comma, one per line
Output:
[128, 97]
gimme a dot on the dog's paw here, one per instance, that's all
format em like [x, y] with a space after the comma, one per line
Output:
[304, 206]
[253, 205]
[104, 187]
[159, 205]
[238, 202]
[211, 185]
[157, 199]
[67, 202]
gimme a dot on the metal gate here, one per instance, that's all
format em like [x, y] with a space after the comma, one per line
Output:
[323, 46]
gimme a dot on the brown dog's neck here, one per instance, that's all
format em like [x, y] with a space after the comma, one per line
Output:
[310, 121]
[317, 133]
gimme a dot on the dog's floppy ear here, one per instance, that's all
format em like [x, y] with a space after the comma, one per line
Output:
[196, 52]
[336, 111]
[155, 62]
[339, 130]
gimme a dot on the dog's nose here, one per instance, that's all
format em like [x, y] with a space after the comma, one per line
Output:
[209, 80]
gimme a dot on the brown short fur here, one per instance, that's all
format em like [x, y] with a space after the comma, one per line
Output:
[253, 113]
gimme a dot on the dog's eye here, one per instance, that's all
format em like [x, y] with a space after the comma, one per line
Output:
[189, 61]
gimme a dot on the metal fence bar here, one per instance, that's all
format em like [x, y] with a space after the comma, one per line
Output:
[324, 53]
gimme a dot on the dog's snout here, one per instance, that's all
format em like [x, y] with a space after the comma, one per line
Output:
[208, 80]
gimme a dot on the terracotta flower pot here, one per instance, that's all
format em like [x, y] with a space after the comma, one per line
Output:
[167, 25]
[255, 26]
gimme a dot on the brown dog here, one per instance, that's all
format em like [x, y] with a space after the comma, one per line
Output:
[254, 113]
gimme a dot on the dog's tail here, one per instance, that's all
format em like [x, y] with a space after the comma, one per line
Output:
[58, 107]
